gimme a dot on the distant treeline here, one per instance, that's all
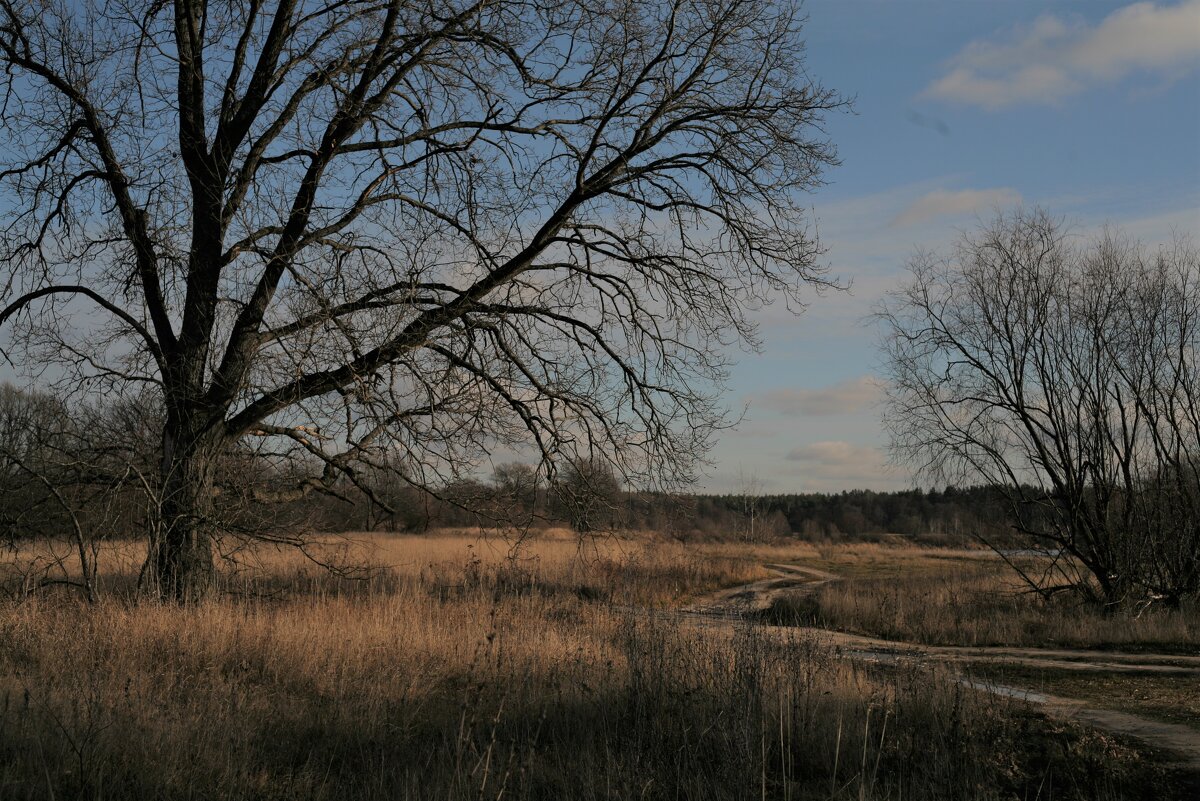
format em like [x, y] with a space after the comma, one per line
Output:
[951, 516]
[93, 471]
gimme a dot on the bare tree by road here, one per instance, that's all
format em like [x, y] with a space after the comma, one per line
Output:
[1067, 373]
[401, 231]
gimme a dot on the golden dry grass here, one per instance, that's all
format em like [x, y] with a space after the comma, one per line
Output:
[640, 569]
[952, 599]
[454, 667]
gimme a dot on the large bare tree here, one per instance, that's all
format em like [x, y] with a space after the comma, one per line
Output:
[402, 231]
[1065, 372]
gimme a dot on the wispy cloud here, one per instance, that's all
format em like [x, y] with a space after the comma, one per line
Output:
[1056, 58]
[844, 397]
[840, 464]
[1162, 228]
[836, 453]
[950, 203]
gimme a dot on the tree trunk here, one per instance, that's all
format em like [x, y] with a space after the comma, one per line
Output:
[182, 555]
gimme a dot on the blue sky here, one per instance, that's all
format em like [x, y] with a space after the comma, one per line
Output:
[1091, 109]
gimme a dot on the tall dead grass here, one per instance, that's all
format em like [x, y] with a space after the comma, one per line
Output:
[983, 604]
[451, 668]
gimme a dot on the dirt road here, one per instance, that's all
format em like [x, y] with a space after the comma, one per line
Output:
[742, 602]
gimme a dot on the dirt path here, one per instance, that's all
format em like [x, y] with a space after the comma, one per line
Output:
[741, 602]
[1054, 658]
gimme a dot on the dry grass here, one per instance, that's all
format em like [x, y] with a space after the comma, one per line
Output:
[641, 570]
[968, 598]
[455, 668]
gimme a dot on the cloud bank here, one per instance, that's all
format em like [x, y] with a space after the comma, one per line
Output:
[1056, 58]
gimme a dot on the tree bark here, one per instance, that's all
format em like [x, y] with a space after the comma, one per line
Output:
[182, 556]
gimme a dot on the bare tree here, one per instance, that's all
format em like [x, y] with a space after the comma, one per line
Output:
[1067, 374]
[70, 477]
[588, 495]
[362, 229]
[517, 488]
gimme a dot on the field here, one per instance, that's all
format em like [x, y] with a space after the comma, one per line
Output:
[460, 666]
[968, 598]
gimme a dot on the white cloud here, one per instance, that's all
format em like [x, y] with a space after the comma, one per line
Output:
[837, 464]
[1140, 36]
[844, 397]
[947, 203]
[1055, 58]
[1034, 83]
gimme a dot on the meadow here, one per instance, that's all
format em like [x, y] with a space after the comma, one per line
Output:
[953, 597]
[456, 665]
